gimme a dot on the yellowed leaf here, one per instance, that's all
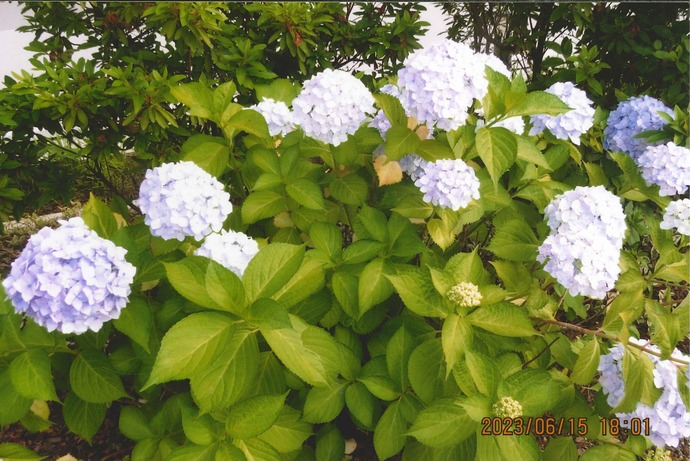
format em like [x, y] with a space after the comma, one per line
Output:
[283, 220]
[388, 172]
[40, 409]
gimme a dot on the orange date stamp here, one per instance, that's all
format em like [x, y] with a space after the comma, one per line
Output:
[548, 425]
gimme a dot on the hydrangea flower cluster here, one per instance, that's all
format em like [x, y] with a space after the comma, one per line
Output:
[507, 407]
[587, 229]
[69, 279]
[465, 294]
[631, 118]
[667, 166]
[448, 183]
[180, 199]
[413, 165]
[438, 84]
[277, 114]
[572, 124]
[332, 105]
[669, 419]
[232, 250]
[677, 215]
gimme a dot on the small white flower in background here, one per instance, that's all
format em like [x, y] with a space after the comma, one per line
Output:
[232, 250]
[448, 183]
[631, 118]
[677, 215]
[669, 419]
[465, 294]
[572, 124]
[332, 105]
[181, 199]
[278, 116]
[507, 407]
[439, 84]
[69, 279]
[667, 166]
[583, 249]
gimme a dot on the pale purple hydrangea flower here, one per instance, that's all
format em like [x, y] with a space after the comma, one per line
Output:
[667, 166]
[572, 124]
[332, 105]
[677, 215]
[181, 199]
[439, 84]
[631, 118]
[669, 419]
[232, 250]
[413, 165]
[448, 183]
[69, 279]
[583, 250]
[278, 116]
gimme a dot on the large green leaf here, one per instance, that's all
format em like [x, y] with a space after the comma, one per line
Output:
[83, 418]
[609, 452]
[393, 109]
[442, 424]
[211, 153]
[253, 416]
[426, 370]
[350, 189]
[374, 287]
[307, 193]
[504, 319]
[262, 204]
[93, 379]
[390, 432]
[271, 268]
[14, 405]
[456, 339]
[639, 381]
[197, 97]
[485, 374]
[135, 321]
[16, 452]
[280, 89]
[514, 241]
[562, 449]
[587, 363]
[330, 445]
[31, 376]
[249, 121]
[308, 280]
[98, 217]
[324, 404]
[361, 404]
[400, 141]
[536, 102]
[398, 351]
[497, 147]
[289, 432]
[415, 288]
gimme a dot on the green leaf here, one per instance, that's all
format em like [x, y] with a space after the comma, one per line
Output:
[426, 370]
[441, 232]
[253, 416]
[83, 418]
[190, 346]
[639, 381]
[135, 321]
[361, 404]
[400, 141]
[249, 121]
[398, 351]
[456, 338]
[324, 404]
[557, 155]
[518, 448]
[199, 428]
[497, 148]
[225, 288]
[193, 453]
[271, 268]
[350, 189]
[289, 432]
[93, 379]
[528, 151]
[609, 452]
[514, 241]
[327, 237]
[381, 387]
[432, 150]
[390, 432]
[541, 193]
[504, 319]
[257, 450]
[308, 280]
[587, 363]
[280, 89]
[133, 425]
[371, 224]
[516, 277]
[14, 405]
[362, 251]
[307, 193]
[668, 328]
[31, 376]
[416, 290]
[211, 153]
[485, 374]
[262, 204]
[98, 217]
[16, 452]
[188, 277]
[536, 102]
[330, 445]
[442, 424]
[197, 97]
[393, 109]
[535, 389]
[374, 287]
[561, 448]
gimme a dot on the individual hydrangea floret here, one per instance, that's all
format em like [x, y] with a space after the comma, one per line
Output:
[465, 294]
[439, 84]
[69, 279]
[587, 229]
[507, 407]
[667, 166]
[631, 118]
[677, 215]
[180, 200]
[332, 105]
[669, 419]
[448, 183]
[278, 116]
[658, 454]
[231, 249]
[572, 124]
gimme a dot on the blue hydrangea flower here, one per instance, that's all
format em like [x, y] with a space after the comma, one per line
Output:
[572, 124]
[631, 118]
[180, 200]
[69, 279]
[332, 105]
[231, 249]
[667, 166]
[277, 114]
[677, 216]
[583, 249]
[448, 183]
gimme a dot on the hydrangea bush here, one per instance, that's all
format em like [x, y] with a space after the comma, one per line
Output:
[286, 290]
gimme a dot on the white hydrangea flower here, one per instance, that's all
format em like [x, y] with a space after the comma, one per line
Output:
[631, 118]
[677, 215]
[583, 250]
[572, 124]
[180, 199]
[448, 183]
[277, 114]
[667, 166]
[465, 294]
[507, 407]
[332, 105]
[69, 279]
[438, 84]
[231, 249]
[669, 419]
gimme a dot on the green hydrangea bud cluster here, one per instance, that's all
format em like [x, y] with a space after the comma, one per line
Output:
[658, 454]
[465, 294]
[507, 407]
